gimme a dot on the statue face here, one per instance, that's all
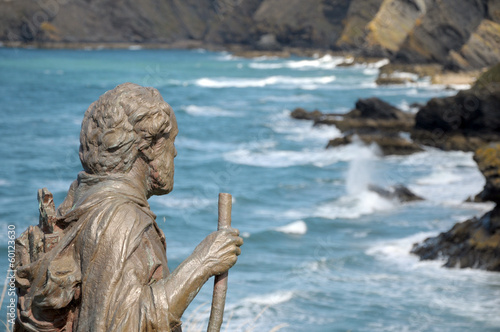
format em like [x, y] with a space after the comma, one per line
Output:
[162, 166]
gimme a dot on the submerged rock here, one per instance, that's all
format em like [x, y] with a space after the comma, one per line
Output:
[398, 192]
[389, 144]
[301, 114]
[370, 115]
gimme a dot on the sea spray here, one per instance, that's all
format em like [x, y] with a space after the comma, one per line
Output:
[359, 173]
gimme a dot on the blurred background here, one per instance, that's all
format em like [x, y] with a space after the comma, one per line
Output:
[346, 131]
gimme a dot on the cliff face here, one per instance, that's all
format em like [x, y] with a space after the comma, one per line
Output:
[474, 243]
[466, 121]
[103, 20]
[459, 33]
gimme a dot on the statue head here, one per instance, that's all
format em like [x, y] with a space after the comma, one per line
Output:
[124, 125]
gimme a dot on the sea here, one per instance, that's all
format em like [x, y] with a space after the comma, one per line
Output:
[322, 252]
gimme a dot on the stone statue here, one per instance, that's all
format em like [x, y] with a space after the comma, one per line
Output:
[98, 262]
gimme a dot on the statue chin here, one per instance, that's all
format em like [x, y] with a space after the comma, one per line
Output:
[163, 190]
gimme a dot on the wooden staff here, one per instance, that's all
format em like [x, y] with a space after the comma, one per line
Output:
[220, 283]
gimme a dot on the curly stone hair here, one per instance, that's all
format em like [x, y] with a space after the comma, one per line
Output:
[121, 124]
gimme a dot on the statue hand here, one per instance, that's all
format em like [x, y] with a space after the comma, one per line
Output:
[218, 252]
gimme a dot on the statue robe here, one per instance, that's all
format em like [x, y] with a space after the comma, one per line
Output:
[108, 271]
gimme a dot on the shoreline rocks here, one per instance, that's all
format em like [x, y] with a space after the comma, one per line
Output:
[474, 243]
[373, 121]
[466, 121]
[389, 144]
[395, 73]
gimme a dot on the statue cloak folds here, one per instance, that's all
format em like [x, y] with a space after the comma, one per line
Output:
[111, 238]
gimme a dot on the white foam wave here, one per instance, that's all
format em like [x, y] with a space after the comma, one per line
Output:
[299, 131]
[398, 251]
[285, 81]
[354, 206]
[225, 56]
[459, 86]
[266, 65]
[261, 156]
[376, 64]
[208, 111]
[4, 183]
[270, 299]
[287, 158]
[404, 106]
[452, 176]
[265, 57]
[135, 47]
[370, 71]
[183, 203]
[440, 177]
[379, 63]
[406, 76]
[296, 228]
[359, 173]
[325, 62]
[287, 98]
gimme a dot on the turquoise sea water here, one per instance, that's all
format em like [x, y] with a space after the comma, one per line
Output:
[321, 252]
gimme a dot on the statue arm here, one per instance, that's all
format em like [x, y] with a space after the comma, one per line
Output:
[216, 254]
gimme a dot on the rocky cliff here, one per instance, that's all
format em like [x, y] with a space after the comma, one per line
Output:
[474, 243]
[458, 33]
[465, 121]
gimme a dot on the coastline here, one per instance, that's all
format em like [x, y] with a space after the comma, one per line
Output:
[390, 73]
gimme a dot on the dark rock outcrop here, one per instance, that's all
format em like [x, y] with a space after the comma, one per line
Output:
[474, 243]
[372, 121]
[445, 26]
[465, 121]
[460, 36]
[371, 115]
[488, 161]
[301, 114]
[398, 192]
[389, 144]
